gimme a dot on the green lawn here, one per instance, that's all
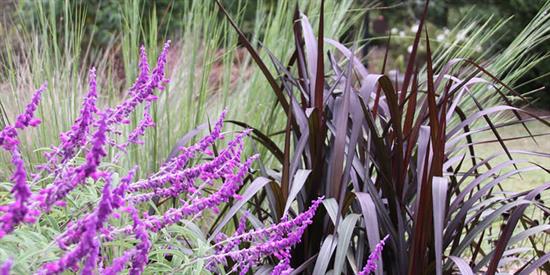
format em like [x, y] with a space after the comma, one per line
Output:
[528, 179]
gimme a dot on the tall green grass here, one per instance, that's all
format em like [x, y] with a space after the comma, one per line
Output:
[204, 74]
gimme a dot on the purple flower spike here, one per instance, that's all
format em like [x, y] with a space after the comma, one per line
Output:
[142, 90]
[94, 156]
[85, 232]
[6, 267]
[27, 118]
[77, 136]
[142, 249]
[119, 264]
[143, 70]
[17, 211]
[8, 138]
[373, 257]
[275, 240]
[158, 80]
[8, 135]
[146, 122]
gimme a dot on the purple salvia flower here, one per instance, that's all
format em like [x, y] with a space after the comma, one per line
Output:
[6, 267]
[97, 152]
[158, 79]
[169, 172]
[90, 263]
[119, 192]
[88, 245]
[373, 258]
[27, 118]
[67, 179]
[75, 138]
[116, 200]
[183, 181]
[286, 225]
[118, 263]
[17, 211]
[138, 254]
[145, 123]
[141, 92]
[275, 240]
[141, 257]
[235, 242]
[179, 161]
[143, 70]
[71, 259]
[282, 268]
[228, 190]
[73, 177]
[8, 138]
[8, 135]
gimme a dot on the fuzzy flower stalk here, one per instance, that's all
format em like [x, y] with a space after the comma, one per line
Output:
[17, 212]
[5, 268]
[81, 139]
[373, 258]
[275, 240]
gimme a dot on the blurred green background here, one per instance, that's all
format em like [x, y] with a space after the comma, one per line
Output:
[104, 21]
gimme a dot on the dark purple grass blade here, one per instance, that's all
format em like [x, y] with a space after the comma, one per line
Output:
[412, 56]
[509, 228]
[263, 139]
[320, 67]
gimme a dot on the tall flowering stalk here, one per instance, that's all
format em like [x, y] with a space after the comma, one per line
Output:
[76, 137]
[88, 245]
[373, 257]
[16, 212]
[8, 135]
[274, 240]
[5, 268]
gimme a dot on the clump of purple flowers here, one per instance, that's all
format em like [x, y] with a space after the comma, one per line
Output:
[208, 184]
[274, 240]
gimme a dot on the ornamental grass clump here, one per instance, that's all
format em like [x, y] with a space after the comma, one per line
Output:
[194, 181]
